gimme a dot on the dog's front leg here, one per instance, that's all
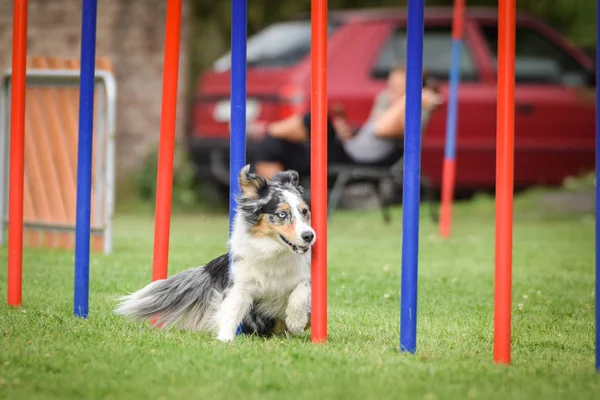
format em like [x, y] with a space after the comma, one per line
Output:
[234, 308]
[298, 308]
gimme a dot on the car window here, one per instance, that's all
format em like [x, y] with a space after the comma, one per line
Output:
[537, 58]
[279, 45]
[437, 44]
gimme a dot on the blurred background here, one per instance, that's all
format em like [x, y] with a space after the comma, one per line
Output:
[554, 123]
[576, 19]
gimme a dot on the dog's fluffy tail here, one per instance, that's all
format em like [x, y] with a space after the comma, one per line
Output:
[187, 299]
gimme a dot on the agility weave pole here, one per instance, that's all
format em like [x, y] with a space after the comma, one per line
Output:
[412, 177]
[238, 143]
[84, 156]
[237, 139]
[318, 169]
[449, 166]
[597, 187]
[47, 199]
[237, 103]
[17, 154]
[318, 144]
[166, 150]
[504, 174]
[505, 137]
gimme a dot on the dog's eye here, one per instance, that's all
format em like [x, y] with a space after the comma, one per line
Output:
[282, 214]
[305, 211]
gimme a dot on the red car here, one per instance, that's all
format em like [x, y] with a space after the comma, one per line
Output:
[554, 101]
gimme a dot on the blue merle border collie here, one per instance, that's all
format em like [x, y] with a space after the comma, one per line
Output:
[268, 291]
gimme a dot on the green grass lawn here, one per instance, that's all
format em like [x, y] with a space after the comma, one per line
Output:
[46, 353]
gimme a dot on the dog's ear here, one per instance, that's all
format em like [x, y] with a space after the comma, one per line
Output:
[289, 177]
[250, 183]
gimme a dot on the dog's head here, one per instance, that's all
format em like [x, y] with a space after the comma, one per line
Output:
[275, 209]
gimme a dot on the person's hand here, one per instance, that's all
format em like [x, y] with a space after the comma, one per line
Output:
[342, 128]
[337, 110]
[340, 122]
[431, 99]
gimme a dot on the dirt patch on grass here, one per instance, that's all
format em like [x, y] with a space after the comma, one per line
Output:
[568, 202]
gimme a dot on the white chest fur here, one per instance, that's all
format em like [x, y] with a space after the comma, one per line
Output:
[270, 281]
[275, 275]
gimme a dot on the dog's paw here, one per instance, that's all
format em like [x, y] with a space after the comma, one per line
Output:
[225, 337]
[296, 323]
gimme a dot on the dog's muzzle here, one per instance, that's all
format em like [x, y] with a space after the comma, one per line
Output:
[296, 248]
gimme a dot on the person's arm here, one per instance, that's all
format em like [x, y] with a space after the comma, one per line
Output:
[391, 123]
[292, 129]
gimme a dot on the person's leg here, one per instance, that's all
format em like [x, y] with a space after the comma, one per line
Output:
[390, 122]
[275, 155]
[280, 143]
[335, 148]
[278, 152]
[268, 169]
[269, 156]
[292, 129]
[277, 140]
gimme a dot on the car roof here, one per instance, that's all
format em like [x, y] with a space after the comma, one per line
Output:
[400, 13]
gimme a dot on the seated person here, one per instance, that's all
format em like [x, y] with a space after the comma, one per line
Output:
[285, 144]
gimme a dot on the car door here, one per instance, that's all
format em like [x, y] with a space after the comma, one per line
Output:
[554, 111]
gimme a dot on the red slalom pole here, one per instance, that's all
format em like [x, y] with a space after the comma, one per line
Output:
[17, 153]
[166, 151]
[505, 137]
[318, 167]
[449, 166]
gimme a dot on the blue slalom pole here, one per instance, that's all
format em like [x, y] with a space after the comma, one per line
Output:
[597, 189]
[237, 140]
[84, 158]
[450, 149]
[449, 166]
[412, 177]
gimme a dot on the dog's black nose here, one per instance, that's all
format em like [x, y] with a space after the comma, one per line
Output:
[307, 236]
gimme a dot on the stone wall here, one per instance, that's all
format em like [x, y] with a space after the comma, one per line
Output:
[131, 34]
